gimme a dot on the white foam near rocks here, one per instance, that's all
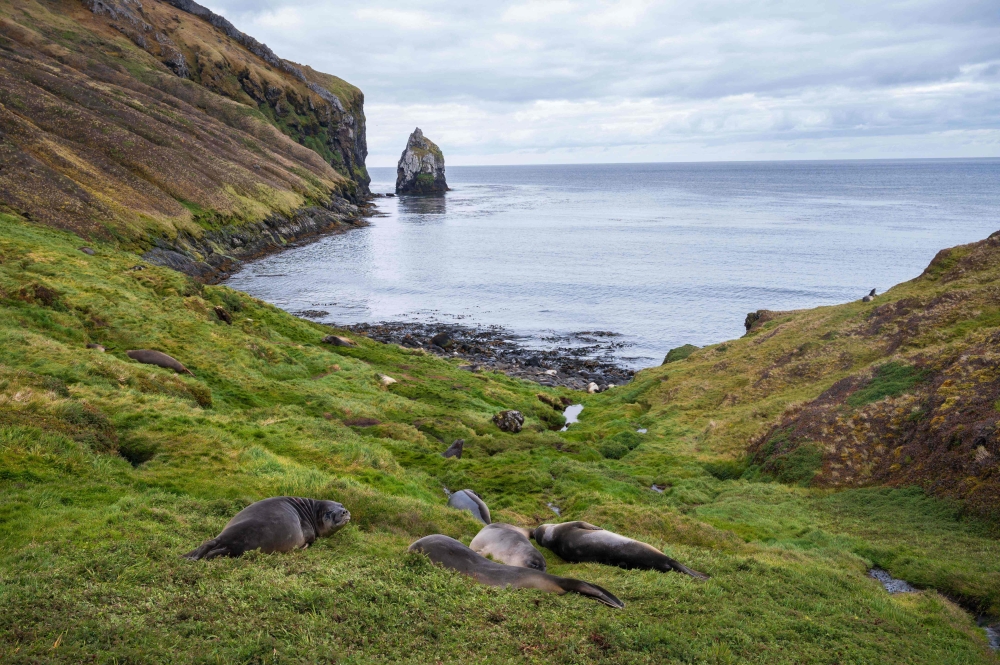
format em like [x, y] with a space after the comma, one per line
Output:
[572, 414]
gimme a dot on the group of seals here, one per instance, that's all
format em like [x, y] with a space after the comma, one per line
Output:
[278, 524]
[286, 523]
[452, 554]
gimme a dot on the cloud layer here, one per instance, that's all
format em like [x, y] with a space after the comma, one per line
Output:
[637, 80]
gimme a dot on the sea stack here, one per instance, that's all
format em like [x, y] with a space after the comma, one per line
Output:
[421, 167]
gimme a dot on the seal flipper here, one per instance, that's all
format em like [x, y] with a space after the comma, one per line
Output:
[591, 591]
[202, 551]
[681, 568]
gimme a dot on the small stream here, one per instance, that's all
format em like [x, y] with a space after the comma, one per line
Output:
[894, 585]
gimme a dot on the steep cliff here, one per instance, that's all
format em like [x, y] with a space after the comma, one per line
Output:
[159, 124]
[421, 167]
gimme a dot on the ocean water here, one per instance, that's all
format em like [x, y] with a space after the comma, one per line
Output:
[661, 254]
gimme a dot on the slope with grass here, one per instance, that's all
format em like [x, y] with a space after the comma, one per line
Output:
[161, 129]
[109, 470]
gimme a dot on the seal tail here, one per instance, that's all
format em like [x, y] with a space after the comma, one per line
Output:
[591, 591]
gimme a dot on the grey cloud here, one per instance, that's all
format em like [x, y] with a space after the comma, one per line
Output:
[513, 76]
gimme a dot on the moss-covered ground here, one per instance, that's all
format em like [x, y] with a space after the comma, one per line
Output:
[110, 470]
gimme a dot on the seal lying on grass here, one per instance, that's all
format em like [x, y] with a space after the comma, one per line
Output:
[147, 357]
[452, 554]
[580, 542]
[278, 524]
[508, 544]
[470, 501]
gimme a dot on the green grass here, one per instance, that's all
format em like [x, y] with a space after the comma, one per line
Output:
[110, 470]
[891, 380]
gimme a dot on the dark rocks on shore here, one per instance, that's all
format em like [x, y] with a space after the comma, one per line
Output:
[509, 421]
[494, 349]
[421, 167]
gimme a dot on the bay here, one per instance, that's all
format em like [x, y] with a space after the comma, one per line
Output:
[661, 254]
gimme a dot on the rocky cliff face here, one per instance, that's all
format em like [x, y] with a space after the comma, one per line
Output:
[421, 167]
[158, 125]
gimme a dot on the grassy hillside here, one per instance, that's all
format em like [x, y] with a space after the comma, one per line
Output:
[109, 470]
[138, 121]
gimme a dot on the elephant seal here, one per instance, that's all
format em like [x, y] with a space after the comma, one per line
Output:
[469, 500]
[159, 359]
[580, 542]
[455, 450]
[452, 554]
[278, 524]
[508, 544]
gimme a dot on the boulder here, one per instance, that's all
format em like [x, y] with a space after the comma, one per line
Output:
[442, 340]
[421, 167]
[509, 421]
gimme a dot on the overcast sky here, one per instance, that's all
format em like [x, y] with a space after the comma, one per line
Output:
[557, 81]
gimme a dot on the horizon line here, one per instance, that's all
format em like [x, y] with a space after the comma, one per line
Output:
[728, 161]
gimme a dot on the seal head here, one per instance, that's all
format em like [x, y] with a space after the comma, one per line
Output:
[581, 542]
[451, 554]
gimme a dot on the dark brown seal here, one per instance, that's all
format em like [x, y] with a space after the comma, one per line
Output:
[508, 544]
[470, 501]
[580, 542]
[455, 450]
[159, 359]
[452, 554]
[278, 524]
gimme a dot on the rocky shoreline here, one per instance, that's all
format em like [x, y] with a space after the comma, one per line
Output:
[576, 361]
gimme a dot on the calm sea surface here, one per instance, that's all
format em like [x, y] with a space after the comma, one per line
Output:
[664, 254]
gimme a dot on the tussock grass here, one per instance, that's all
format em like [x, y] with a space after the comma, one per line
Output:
[110, 470]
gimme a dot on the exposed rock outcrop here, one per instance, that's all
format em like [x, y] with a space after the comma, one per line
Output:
[214, 255]
[421, 167]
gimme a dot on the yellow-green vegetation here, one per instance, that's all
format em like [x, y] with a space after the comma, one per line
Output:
[110, 470]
